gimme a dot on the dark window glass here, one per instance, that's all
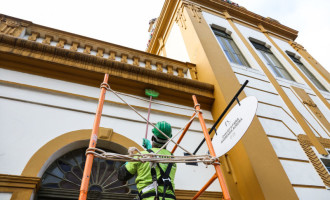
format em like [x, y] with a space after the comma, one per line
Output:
[326, 163]
[229, 47]
[63, 177]
[273, 64]
[307, 73]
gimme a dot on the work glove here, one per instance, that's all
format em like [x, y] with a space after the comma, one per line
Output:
[146, 144]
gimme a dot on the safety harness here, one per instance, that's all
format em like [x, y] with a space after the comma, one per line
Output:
[164, 180]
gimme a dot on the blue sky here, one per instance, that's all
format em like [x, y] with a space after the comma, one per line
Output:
[125, 22]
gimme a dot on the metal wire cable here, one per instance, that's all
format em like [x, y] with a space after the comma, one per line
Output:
[148, 121]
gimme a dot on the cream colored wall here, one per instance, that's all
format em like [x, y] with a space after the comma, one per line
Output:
[31, 117]
[275, 117]
[5, 196]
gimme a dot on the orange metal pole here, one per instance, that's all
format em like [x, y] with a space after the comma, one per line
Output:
[199, 193]
[210, 146]
[183, 133]
[92, 142]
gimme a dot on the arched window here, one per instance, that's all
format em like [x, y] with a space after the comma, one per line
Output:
[63, 177]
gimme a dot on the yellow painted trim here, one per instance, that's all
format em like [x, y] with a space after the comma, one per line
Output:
[292, 159]
[21, 187]
[39, 158]
[306, 144]
[316, 65]
[283, 138]
[309, 186]
[280, 91]
[302, 75]
[49, 61]
[189, 194]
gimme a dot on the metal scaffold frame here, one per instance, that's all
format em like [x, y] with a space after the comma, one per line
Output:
[94, 135]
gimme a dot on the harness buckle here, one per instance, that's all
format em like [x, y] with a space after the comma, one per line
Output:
[166, 179]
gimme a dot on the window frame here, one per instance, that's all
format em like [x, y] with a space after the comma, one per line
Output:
[274, 64]
[228, 45]
[306, 71]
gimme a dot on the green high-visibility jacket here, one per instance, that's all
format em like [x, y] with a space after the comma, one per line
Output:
[143, 172]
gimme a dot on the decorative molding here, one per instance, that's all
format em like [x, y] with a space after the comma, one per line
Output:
[136, 61]
[100, 52]
[309, 104]
[64, 64]
[48, 35]
[180, 72]
[170, 69]
[196, 10]
[193, 72]
[123, 58]
[14, 181]
[148, 65]
[88, 49]
[74, 46]
[38, 160]
[61, 43]
[180, 19]
[47, 39]
[227, 16]
[34, 36]
[306, 145]
[12, 26]
[112, 55]
[296, 46]
[159, 67]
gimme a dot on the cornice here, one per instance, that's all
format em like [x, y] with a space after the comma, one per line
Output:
[15, 181]
[244, 14]
[170, 9]
[123, 76]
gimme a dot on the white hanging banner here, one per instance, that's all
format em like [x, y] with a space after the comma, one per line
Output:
[235, 124]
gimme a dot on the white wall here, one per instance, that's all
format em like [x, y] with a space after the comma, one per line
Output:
[5, 196]
[32, 117]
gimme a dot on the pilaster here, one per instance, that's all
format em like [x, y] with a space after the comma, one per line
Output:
[250, 162]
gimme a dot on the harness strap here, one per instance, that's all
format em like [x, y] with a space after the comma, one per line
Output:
[165, 179]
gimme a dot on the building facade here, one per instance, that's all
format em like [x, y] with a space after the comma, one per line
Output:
[50, 85]
[284, 154]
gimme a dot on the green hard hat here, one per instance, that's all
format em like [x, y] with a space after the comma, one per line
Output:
[165, 128]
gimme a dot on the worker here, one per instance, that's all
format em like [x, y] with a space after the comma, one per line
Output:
[154, 180]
